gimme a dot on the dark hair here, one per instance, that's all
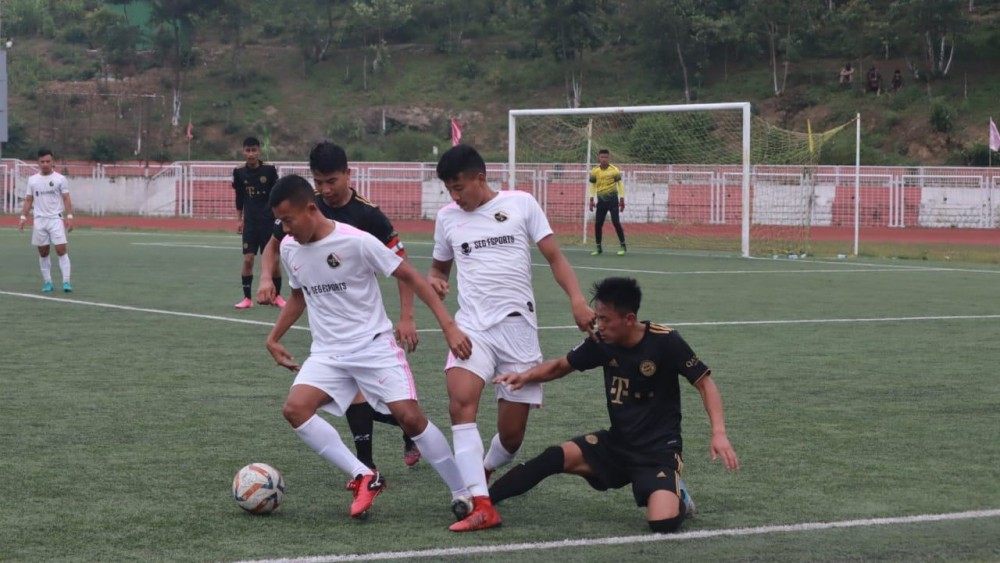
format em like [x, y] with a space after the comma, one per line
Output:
[251, 142]
[460, 159]
[45, 152]
[604, 151]
[847, 66]
[621, 294]
[327, 158]
[292, 188]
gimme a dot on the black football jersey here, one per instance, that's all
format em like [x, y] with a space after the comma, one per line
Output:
[253, 192]
[643, 386]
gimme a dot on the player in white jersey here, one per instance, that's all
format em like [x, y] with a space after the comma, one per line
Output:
[489, 236]
[331, 269]
[47, 197]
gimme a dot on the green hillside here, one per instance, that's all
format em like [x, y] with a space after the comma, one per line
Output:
[292, 73]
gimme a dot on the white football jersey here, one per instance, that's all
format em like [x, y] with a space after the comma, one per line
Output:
[337, 277]
[48, 192]
[491, 247]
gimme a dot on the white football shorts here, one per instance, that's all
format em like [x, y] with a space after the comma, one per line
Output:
[380, 371]
[508, 346]
[48, 230]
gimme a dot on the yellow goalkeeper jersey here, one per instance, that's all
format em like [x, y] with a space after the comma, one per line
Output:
[606, 183]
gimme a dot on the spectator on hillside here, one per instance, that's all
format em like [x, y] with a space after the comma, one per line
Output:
[897, 81]
[874, 81]
[846, 75]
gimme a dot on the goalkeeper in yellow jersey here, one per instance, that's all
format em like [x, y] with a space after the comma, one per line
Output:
[607, 188]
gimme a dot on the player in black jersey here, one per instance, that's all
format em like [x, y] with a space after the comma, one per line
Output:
[252, 184]
[338, 201]
[643, 363]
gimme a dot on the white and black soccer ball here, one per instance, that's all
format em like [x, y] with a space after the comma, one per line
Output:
[258, 488]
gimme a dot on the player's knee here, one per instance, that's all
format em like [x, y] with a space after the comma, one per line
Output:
[296, 413]
[666, 526]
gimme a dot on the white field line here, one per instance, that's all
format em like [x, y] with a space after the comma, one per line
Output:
[564, 327]
[847, 268]
[648, 538]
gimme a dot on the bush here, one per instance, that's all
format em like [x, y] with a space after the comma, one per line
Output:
[411, 146]
[942, 116]
[107, 148]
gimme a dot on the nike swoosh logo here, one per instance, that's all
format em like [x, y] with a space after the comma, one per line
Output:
[296, 268]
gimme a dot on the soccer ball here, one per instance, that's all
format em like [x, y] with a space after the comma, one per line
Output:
[258, 488]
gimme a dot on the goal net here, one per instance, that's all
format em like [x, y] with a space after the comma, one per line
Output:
[697, 176]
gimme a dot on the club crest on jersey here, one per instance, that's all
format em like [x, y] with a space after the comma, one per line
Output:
[466, 249]
[591, 439]
[263, 180]
[647, 368]
[51, 184]
[333, 260]
[500, 216]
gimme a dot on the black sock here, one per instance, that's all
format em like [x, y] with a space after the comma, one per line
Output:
[247, 284]
[359, 419]
[525, 476]
[384, 418]
[277, 284]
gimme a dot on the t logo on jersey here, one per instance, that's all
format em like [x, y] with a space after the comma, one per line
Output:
[332, 260]
[466, 249]
[500, 216]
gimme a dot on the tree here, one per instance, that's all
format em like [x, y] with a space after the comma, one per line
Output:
[178, 17]
[782, 22]
[572, 27]
[928, 30]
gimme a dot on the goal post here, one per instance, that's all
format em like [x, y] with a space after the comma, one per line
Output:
[696, 176]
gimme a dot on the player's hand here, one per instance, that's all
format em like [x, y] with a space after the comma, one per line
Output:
[265, 291]
[458, 342]
[591, 204]
[513, 381]
[621, 205]
[239, 227]
[282, 356]
[21, 223]
[584, 317]
[406, 334]
[69, 224]
[440, 287]
[721, 448]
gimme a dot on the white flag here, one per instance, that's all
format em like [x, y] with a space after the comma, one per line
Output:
[994, 136]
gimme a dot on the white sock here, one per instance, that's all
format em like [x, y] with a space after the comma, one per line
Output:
[45, 264]
[319, 435]
[469, 457]
[64, 267]
[498, 456]
[435, 450]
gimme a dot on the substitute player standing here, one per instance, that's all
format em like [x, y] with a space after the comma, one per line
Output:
[252, 184]
[47, 197]
[643, 363]
[331, 269]
[488, 235]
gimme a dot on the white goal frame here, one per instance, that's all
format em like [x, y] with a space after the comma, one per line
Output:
[742, 106]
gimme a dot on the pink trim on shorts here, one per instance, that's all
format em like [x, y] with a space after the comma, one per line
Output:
[401, 355]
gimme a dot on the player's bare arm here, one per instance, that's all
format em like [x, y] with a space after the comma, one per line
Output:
[564, 275]
[545, 371]
[406, 328]
[293, 309]
[68, 215]
[458, 342]
[268, 267]
[438, 276]
[720, 446]
[28, 199]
